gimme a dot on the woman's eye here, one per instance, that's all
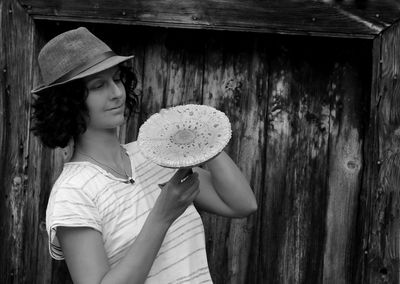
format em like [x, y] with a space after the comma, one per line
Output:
[98, 86]
[117, 79]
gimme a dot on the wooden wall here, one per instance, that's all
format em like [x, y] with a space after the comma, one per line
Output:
[299, 109]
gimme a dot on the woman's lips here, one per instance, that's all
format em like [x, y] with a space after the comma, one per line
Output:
[115, 108]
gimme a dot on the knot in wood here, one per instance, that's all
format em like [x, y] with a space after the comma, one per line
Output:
[352, 164]
[17, 181]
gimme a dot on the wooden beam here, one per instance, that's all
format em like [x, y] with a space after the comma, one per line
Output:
[18, 218]
[345, 163]
[382, 224]
[283, 17]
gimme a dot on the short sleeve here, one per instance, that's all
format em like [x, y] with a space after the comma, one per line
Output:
[69, 207]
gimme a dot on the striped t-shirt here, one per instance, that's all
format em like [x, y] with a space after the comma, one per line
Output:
[85, 195]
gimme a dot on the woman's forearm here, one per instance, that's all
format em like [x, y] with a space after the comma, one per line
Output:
[231, 185]
[136, 264]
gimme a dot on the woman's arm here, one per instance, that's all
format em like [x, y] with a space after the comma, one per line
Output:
[224, 190]
[84, 250]
[87, 261]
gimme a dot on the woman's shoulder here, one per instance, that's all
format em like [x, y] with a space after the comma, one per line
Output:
[78, 175]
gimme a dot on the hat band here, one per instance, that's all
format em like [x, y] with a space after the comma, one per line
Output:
[86, 65]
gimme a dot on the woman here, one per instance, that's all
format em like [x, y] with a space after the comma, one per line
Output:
[106, 214]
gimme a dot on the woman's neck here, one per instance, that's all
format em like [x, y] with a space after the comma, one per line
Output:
[102, 145]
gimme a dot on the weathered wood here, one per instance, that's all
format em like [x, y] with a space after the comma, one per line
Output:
[235, 82]
[172, 71]
[370, 170]
[155, 74]
[293, 221]
[380, 12]
[345, 163]
[383, 253]
[185, 60]
[17, 252]
[305, 17]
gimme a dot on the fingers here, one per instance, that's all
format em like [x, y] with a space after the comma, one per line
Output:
[194, 191]
[180, 175]
[190, 185]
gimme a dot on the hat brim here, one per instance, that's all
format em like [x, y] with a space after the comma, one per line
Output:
[103, 65]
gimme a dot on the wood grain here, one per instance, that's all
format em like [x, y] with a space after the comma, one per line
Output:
[369, 171]
[383, 251]
[295, 181]
[17, 250]
[236, 82]
[345, 163]
[322, 18]
[185, 61]
[155, 74]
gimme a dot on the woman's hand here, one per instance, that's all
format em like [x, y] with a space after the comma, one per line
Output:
[176, 196]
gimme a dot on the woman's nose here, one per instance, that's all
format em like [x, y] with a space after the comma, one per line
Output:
[116, 89]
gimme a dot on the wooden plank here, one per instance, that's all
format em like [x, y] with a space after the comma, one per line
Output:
[185, 60]
[155, 74]
[287, 17]
[235, 82]
[345, 163]
[172, 72]
[383, 253]
[293, 221]
[370, 170]
[17, 255]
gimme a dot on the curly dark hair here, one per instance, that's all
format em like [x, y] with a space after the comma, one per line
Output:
[59, 112]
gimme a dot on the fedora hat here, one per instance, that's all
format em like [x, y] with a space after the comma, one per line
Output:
[73, 55]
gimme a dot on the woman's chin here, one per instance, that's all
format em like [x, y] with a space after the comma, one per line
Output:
[118, 122]
[112, 123]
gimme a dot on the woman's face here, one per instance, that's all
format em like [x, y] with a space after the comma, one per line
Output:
[106, 99]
